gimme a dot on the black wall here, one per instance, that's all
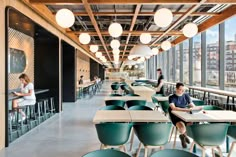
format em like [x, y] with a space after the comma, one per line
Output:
[101, 72]
[46, 67]
[69, 72]
[94, 69]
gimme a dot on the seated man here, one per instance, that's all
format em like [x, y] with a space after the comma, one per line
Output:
[179, 102]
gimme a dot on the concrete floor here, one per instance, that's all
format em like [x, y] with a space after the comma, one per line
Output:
[68, 134]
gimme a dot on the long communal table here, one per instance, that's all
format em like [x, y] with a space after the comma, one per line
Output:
[129, 116]
[125, 98]
[11, 96]
[143, 91]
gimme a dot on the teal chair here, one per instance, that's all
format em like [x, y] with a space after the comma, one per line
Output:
[209, 135]
[198, 102]
[152, 135]
[113, 134]
[211, 107]
[115, 102]
[115, 87]
[155, 102]
[130, 103]
[115, 95]
[131, 94]
[106, 153]
[232, 133]
[164, 106]
[173, 153]
[112, 107]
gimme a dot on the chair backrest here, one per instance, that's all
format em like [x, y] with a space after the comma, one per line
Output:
[106, 153]
[115, 95]
[209, 134]
[232, 131]
[154, 134]
[164, 105]
[115, 102]
[173, 153]
[198, 102]
[112, 107]
[140, 108]
[115, 86]
[130, 103]
[131, 94]
[113, 133]
[211, 107]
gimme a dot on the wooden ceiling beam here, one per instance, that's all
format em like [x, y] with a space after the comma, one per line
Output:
[142, 14]
[227, 13]
[179, 20]
[94, 22]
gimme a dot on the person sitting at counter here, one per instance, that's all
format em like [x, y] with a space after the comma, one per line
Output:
[27, 94]
[81, 81]
[181, 101]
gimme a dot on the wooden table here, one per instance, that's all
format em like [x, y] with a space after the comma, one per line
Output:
[145, 92]
[209, 116]
[125, 98]
[129, 116]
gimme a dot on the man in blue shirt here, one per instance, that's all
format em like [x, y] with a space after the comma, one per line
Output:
[179, 102]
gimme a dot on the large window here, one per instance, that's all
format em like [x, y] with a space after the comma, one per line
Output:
[177, 72]
[230, 54]
[186, 61]
[212, 45]
[197, 60]
[171, 65]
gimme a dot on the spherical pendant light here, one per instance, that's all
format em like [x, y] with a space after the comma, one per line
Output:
[130, 66]
[140, 50]
[115, 44]
[93, 48]
[155, 51]
[116, 51]
[145, 38]
[130, 57]
[84, 38]
[163, 17]
[142, 59]
[115, 29]
[98, 54]
[190, 30]
[65, 18]
[165, 45]
[102, 57]
[136, 66]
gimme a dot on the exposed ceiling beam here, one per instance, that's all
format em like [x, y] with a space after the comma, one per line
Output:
[122, 44]
[106, 33]
[179, 20]
[111, 2]
[94, 22]
[138, 7]
[227, 13]
[141, 13]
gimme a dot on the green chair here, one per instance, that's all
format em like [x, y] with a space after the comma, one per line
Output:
[112, 107]
[173, 153]
[164, 106]
[232, 133]
[152, 135]
[131, 94]
[113, 134]
[115, 102]
[198, 102]
[115, 87]
[130, 103]
[155, 102]
[115, 95]
[211, 107]
[209, 135]
[106, 153]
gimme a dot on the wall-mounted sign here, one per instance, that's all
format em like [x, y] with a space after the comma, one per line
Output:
[16, 61]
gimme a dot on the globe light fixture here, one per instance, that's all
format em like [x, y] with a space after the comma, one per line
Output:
[155, 51]
[136, 66]
[65, 18]
[115, 29]
[102, 57]
[140, 50]
[130, 57]
[166, 45]
[84, 38]
[115, 44]
[145, 38]
[116, 51]
[130, 66]
[163, 17]
[142, 59]
[98, 54]
[93, 48]
[190, 30]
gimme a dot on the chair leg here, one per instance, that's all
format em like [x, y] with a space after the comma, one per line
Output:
[220, 152]
[203, 152]
[102, 146]
[131, 140]
[192, 146]
[213, 152]
[172, 131]
[145, 151]
[139, 148]
[231, 148]
[175, 137]
[124, 148]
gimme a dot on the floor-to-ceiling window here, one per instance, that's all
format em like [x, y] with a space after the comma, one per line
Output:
[171, 65]
[230, 54]
[212, 50]
[186, 61]
[197, 60]
[177, 63]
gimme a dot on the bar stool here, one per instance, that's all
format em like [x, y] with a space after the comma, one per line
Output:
[45, 111]
[31, 116]
[52, 108]
[39, 112]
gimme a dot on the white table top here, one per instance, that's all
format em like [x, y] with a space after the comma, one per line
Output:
[209, 116]
[145, 92]
[148, 116]
[111, 116]
[125, 98]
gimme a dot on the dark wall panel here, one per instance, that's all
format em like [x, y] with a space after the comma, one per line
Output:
[94, 69]
[69, 72]
[47, 67]
[101, 72]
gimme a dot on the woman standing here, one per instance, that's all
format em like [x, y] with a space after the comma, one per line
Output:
[27, 94]
[160, 82]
